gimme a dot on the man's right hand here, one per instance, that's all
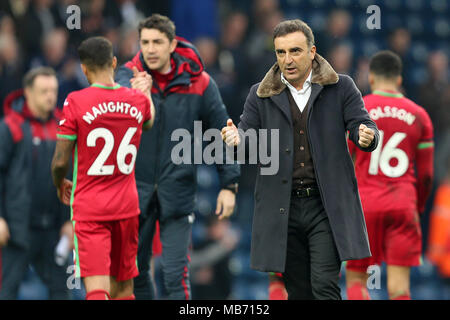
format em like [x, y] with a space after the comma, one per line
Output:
[141, 81]
[4, 233]
[230, 134]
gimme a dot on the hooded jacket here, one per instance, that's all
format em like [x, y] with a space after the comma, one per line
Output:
[27, 194]
[190, 95]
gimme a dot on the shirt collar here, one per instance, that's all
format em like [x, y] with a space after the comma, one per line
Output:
[306, 84]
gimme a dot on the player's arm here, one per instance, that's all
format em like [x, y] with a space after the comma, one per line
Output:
[60, 167]
[149, 123]
[424, 162]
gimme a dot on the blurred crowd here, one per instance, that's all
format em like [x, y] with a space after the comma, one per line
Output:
[234, 39]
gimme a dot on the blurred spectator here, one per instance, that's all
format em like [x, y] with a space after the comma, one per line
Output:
[338, 27]
[55, 55]
[210, 270]
[400, 42]
[439, 235]
[128, 44]
[260, 49]
[195, 20]
[434, 96]
[431, 93]
[340, 58]
[31, 214]
[362, 76]
[11, 66]
[234, 61]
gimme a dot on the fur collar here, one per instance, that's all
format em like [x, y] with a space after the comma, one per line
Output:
[322, 73]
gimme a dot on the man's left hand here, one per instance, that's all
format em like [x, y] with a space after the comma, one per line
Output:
[366, 136]
[225, 203]
[67, 229]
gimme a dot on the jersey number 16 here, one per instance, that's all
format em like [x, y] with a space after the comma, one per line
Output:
[382, 155]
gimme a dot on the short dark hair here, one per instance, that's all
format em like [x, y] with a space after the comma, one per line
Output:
[96, 53]
[386, 64]
[291, 26]
[159, 22]
[30, 76]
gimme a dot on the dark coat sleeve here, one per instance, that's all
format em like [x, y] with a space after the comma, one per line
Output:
[355, 113]
[6, 148]
[250, 120]
[123, 76]
[215, 115]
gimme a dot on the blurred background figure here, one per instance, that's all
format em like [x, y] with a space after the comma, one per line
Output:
[212, 278]
[338, 28]
[439, 237]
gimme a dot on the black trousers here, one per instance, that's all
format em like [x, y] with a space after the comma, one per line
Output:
[40, 254]
[175, 234]
[312, 261]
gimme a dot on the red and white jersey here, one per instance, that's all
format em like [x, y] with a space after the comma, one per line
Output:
[386, 177]
[106, 123]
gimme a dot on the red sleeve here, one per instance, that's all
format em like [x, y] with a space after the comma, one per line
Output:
[424, 162]
[67, 128]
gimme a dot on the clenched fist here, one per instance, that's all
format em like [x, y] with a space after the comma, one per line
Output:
[230, 134]
[366, 136]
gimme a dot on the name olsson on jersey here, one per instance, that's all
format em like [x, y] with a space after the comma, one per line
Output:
[392, 112]
[122, 107]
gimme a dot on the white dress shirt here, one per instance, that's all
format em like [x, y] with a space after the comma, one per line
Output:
[301, 96]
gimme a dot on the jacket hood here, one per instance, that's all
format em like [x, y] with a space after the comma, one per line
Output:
[15, 103]
[186, 56]
[322, 74]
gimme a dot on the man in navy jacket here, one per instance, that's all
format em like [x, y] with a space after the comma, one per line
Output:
[182, 93]
[31, 217]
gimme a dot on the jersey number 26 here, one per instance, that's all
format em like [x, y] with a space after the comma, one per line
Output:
[98, 167]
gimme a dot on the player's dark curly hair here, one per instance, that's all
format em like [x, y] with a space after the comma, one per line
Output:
[96, 53]
[386, 64]
[159, 22]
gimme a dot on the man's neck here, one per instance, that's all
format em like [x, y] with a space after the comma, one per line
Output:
[37, 113]
[386, 86]
[105, 78]
[299, 84]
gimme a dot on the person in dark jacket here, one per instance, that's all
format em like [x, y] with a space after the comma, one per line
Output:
[32, 219]
[182, 93]
[308, 216]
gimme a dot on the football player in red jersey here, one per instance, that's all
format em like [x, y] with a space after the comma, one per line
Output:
[102, 126]
[394, 181]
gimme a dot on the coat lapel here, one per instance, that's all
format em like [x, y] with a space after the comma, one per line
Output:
[282, 101]
[315, 90]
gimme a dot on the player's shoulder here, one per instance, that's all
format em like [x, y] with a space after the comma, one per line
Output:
[132, 94]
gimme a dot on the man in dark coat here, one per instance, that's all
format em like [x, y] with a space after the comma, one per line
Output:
[32, 219]
[308, 216]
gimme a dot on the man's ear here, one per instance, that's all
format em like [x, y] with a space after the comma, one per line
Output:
[84, 69]
[371, 79]
[313, 52]
[399, 81]
[114, 63]
[173, 45]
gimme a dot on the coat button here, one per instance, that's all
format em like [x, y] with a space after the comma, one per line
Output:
[288, 150]
[282, 210]
[302, 148]
[302, 132]
[284, 180]
[302, 164]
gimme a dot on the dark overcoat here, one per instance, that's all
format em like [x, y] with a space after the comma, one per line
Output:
[336, 107]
